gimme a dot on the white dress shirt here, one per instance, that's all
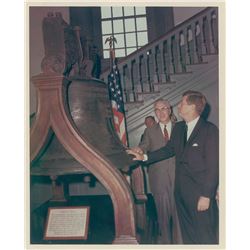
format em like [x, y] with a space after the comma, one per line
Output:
[168, 127]
[191, 126]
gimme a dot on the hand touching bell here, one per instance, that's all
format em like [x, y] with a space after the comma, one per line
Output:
[137, 153]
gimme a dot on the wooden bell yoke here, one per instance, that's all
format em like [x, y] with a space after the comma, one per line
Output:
[53, 114]
[72, 133]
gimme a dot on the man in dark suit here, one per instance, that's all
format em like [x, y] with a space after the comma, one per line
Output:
[161, 174]
[195, 144]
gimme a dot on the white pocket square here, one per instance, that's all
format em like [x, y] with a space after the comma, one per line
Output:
[195, 145]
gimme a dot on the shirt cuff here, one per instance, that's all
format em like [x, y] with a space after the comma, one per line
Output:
[145, 157]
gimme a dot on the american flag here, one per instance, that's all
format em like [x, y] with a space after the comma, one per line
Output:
[116, 98]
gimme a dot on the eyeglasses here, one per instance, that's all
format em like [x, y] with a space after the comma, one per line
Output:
[163, 109]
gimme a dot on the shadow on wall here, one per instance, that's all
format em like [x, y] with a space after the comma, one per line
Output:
[206, 111]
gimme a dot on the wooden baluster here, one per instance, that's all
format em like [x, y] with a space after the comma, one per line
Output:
[156, 69]
[139, 59]
[164, 76]
[140, 66]
[198, 42]
[214, 30]
[168, 66]
[175, 55]
[124, 87]
[190, 45]
[206, 35]
[132, 75]
[128, 81]
[136, 79]
[182, 51]
[155, 66]
[150, 70]
[143, 75]
[161, 64]
[136, 75]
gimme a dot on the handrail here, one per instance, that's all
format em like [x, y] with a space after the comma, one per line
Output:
[159, 38]
[153, 64]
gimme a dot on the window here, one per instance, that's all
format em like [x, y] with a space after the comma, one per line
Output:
[129, 27]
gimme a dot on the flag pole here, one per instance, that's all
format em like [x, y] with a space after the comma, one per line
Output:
[116, 94]
[111, 40]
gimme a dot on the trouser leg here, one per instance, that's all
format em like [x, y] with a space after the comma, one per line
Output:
[197, 227]
[164, 219]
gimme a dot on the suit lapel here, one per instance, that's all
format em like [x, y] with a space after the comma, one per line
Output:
[159, 133]
[182, 137]
[194, 133]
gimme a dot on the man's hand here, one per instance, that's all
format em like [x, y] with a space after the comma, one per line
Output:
[137, 150]
[203, 203]
[138, 156]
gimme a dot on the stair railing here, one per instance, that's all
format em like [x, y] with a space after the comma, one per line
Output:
[153, 64]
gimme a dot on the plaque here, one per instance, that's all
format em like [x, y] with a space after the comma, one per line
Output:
[67, 223]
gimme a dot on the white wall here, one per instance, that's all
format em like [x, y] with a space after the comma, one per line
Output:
[183, 13]
[36, 48]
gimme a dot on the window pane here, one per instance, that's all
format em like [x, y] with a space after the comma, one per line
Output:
[119, 52]
[130, 24]
[106, 54]
[130, 40]
[120, 40]
[106, 12]
[140, 10]
[128, 11]
[117, 11]
[130, 50]
[142, 38]
[141, 23]
[118, 26]
[106, 27]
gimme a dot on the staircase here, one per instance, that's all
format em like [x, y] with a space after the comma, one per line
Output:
[184, 58]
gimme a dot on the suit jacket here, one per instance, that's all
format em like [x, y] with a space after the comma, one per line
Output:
[161, 174]
[197, 161]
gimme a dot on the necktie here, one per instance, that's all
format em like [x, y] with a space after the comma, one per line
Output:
[185, 135]
[166, 136]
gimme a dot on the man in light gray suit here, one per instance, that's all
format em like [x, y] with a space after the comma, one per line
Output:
[161, 175]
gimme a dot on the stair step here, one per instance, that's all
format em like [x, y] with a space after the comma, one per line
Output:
[180, 73]
[194, 64]
[148, 93]
[165, 88]
[165, 83]
[180, 76]
[132, 105]
[211, 57]
[210, 54]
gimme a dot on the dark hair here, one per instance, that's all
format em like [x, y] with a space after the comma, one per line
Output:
[196, 98]
[151, 117]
